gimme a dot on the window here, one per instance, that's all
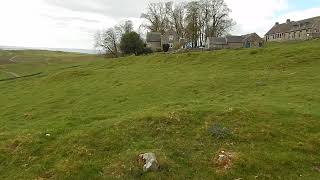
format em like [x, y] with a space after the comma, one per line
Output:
[171, 45]
[170, 37]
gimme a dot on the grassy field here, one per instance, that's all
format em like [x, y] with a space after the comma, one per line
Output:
[21, 63]
[101, 114]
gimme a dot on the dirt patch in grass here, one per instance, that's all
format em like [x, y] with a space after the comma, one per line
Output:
[18, 143]
[316, 168]
[14, 145]
[47, 175]
[224, 160]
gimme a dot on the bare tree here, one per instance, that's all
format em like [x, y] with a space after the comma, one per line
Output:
[124, 27]
[207, 18]
[204, 21]
[193, 22]
[156, 16]
[220, 22]
[108, 41]
[176, 17]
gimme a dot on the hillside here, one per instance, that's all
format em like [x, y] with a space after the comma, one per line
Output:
[86, 117]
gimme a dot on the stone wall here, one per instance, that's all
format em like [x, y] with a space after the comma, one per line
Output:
[218, 46]
[235, 45]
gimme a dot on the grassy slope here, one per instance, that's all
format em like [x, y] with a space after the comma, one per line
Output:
[30, 62]
[102, 114]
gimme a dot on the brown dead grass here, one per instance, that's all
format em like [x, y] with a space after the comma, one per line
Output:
[227, 163]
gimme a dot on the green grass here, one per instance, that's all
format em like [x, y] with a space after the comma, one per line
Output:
[30, 62]
[101, 114]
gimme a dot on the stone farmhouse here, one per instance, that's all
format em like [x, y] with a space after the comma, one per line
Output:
[294, 30]
[170, 37]
[155, 40]
[234, 42]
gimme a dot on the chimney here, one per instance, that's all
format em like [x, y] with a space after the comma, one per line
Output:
[288, 21]
[277, 23]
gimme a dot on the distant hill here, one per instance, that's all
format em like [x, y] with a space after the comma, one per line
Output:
[84, 51]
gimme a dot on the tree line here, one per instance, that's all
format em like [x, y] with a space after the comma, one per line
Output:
[120, 38]
[193, 21]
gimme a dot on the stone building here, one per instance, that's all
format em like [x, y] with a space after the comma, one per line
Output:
[154, 41]
[294, 30]
[234, 42]
[170, 37]
[216, 43]
[252, 40]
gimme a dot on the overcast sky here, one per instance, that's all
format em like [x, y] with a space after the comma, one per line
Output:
[72, 23]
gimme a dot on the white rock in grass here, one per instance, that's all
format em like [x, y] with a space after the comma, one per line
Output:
[221, 158]
[150, 162]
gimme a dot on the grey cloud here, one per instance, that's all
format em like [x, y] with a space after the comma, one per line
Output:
[70, 19]
[111, 8]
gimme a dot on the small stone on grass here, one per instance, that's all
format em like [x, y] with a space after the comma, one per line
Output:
[150, 162]
[224, 160]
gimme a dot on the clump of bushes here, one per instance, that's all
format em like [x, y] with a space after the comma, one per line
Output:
[131, 43]
[219, 132]
[145, 51]
[165, 47]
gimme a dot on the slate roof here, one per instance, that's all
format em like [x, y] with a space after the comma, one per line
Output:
[226, 40]
[218, 40]
[248, 35]
[234, 39]
[153, 37]
[245, 37]
[295, 25]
